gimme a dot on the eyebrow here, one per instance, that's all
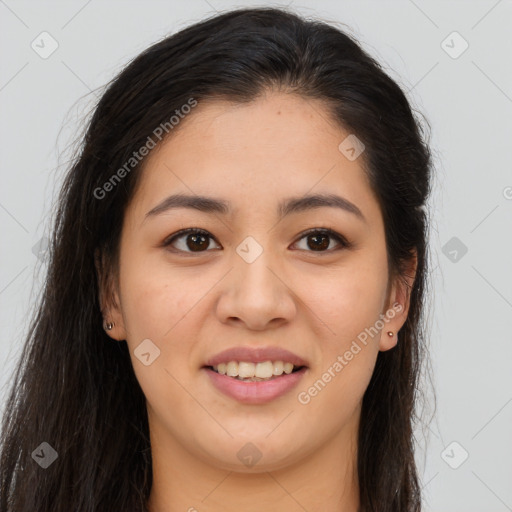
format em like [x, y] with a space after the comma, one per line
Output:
[286, 207]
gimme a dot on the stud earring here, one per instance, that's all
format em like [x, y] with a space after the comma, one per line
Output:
[390, 333]
[108, 326]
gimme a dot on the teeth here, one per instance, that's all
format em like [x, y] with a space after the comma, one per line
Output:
[244, 370]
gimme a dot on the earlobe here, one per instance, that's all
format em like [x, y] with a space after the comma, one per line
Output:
[389, 334]
[388, 340]
[395, 318]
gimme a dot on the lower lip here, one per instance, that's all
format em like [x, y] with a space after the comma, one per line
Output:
[255, 392]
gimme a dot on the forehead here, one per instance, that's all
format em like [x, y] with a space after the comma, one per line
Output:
[256, 153]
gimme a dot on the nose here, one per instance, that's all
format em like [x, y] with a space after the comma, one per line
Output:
[256, 294]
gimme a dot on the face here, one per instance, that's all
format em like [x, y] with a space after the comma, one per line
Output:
[258, 278]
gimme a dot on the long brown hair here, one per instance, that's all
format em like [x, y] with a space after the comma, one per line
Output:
[76, 390]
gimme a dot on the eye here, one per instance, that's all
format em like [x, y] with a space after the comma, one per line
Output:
[318, 240]
[198, 240]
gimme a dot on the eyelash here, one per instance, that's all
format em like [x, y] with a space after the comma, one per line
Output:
[345, 244]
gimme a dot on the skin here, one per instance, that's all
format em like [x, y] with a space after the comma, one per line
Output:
[193, 305]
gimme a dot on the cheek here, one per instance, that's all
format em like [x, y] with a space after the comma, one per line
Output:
[160, 303]
[155, 305]
[348, 349]
[148, 307]
[349, 303]
[349, 300]
[154, 297]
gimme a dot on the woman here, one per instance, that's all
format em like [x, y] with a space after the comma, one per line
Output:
[233, 313]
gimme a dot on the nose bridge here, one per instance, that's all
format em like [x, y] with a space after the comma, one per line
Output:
[253, 264]
[256, 292]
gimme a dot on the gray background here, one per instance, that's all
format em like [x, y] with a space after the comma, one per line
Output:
[467, 98]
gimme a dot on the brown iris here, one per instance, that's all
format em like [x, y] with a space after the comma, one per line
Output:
[197, 242]
[316, 238]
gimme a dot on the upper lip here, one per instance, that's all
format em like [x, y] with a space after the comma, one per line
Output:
[256, 355]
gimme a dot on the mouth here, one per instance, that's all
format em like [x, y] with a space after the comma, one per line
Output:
[255, 383]
[255, 375]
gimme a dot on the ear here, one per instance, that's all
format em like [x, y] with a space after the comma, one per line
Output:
[398, 304]
[109, 297]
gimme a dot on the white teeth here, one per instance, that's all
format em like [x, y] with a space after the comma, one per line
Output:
[264, 370]
[245, 370]
[278, 367]
[288, 367]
